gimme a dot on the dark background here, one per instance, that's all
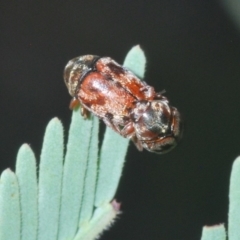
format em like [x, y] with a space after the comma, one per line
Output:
[193, 52]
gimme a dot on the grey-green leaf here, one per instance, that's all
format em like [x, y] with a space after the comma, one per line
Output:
[112, 156]
[103, 217]
[50, 179]
[234, 202]
[74, 174]
[114, 146]
[214, 233]
[91, 176]
[10, 220]
[27, 179]
[135, 61]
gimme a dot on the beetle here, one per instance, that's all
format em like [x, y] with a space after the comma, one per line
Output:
[125, 103]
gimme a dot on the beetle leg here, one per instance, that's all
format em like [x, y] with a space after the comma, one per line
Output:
[85, 113]
[74, 103]
[108, 121]
[176, 126]
[159, 95]
[137, 143]
[128, 130]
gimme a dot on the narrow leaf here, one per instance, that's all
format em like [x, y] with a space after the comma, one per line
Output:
[103, 217]
[10, 216]
[74, 174]
[234, 202]
[50, 178]
[91, 175]
[114, 146]
[113, 152]
[135, 61]
[27, 179]
[214, 233]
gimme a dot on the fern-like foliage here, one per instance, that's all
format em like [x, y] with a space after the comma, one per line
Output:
[73, 197]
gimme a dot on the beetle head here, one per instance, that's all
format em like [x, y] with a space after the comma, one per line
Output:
[75, 71]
